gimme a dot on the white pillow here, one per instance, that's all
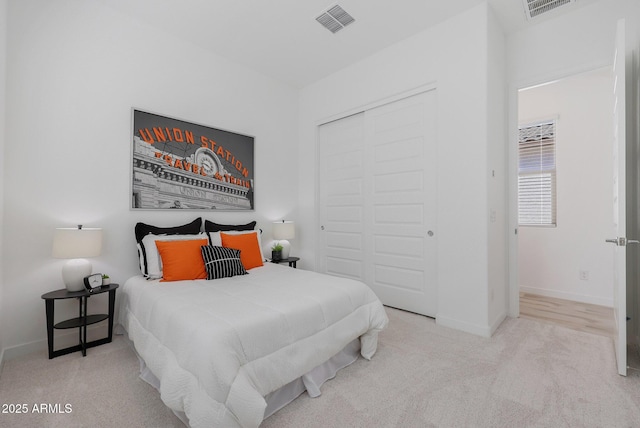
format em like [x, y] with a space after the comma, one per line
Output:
[154, 262]
[216, 240]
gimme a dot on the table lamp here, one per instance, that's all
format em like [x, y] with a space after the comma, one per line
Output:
[283, 230]
[76, 244]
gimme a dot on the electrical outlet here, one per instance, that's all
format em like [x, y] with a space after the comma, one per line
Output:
[584, 275]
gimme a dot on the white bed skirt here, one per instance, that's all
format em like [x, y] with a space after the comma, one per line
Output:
[276, 400]
[312, 381]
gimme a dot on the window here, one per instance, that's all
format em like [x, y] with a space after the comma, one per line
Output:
[537, 174]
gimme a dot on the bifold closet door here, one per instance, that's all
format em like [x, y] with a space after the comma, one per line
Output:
[378, 201]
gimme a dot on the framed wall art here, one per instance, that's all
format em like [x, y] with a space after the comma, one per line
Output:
[183, 165]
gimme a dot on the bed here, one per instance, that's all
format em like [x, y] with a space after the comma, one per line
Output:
[231, 351]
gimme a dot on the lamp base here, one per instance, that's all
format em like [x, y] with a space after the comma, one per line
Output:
[73, 273]
[286, 247]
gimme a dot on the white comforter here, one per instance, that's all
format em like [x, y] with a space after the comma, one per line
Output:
[218, 347]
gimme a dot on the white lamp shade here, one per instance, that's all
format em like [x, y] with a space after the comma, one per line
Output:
[284, 230]
[75, 243]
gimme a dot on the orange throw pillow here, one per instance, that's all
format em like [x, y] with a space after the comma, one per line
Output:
[247, 243]
[182, 259]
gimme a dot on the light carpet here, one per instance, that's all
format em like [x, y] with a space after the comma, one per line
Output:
[529, 374]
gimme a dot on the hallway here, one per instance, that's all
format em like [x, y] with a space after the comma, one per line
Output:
[574, 315]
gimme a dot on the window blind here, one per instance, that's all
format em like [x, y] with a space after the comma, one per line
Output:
[537, 174]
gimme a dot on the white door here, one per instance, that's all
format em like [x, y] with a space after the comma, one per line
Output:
[377, 188]
[400, 197]
[619, 201]
[341, 191]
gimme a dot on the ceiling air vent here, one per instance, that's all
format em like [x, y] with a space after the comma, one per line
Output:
[535, 8]
[335, 19]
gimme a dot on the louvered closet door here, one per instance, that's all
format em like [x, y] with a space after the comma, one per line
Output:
[379, 217]
[341, 173]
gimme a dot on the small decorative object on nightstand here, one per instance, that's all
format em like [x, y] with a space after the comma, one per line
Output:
[93, 281]
[276, 252]
[291, 260]
[83, 319]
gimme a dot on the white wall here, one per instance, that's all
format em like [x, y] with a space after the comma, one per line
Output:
[569, 44]
[550, 259]
[454, 56]
[75, 69]
[3, 63]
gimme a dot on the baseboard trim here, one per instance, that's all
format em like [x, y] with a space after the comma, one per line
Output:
[61, 340]
[26, 348]
[496, 323]
[484, 331]
[582, 298]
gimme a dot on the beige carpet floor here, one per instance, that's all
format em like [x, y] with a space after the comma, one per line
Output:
[529, 374]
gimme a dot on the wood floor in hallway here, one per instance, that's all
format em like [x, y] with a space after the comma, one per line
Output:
[575, 315]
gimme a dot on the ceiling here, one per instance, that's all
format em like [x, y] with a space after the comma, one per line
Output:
[280, 38]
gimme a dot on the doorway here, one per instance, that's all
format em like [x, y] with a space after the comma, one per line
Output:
[568, 259]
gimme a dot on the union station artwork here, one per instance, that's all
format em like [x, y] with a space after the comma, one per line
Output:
[182, 165]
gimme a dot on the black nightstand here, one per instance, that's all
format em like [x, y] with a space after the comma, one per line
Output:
[291, 260]
[83, 319]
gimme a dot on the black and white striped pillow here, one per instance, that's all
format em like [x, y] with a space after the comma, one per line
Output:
[221, 262]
